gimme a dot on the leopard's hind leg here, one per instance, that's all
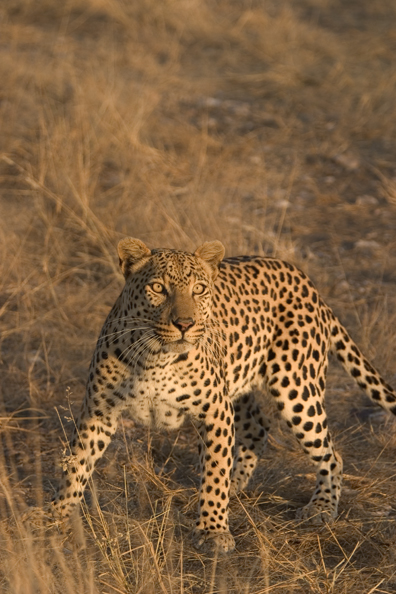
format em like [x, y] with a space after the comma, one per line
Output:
[251, 429]
[300, 402]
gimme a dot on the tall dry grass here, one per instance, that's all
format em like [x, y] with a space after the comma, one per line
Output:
[268, 125]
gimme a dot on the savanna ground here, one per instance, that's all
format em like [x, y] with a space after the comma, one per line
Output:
[270, 125]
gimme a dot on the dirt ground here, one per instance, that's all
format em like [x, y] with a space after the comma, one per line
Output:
[268, 125]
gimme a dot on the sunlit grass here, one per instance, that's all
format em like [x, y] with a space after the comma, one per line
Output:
[256, 123]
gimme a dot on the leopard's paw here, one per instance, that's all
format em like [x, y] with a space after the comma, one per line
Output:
[222, 542]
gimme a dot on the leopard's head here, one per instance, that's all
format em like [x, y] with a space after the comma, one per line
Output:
[169, 293]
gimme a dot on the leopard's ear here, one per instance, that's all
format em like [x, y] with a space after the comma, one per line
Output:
[130, 252]
[211, 252]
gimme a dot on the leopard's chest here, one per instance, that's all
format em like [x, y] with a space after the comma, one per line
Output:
[164, 396]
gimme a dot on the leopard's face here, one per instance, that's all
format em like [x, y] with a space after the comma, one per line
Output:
[169, 294]
[175, 300]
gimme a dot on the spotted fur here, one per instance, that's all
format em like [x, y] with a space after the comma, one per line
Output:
[191, 336]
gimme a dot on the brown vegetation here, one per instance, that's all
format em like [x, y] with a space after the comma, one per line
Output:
[268, 125]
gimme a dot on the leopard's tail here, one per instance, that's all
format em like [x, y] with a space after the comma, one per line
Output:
[356, 364]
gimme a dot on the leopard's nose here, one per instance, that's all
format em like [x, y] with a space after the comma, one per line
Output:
[183, 324]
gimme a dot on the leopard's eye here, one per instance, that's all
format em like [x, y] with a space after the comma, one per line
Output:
[158, 288]
[199, 289]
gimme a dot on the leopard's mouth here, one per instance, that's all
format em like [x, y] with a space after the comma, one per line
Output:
[178, 346]
[179, 342]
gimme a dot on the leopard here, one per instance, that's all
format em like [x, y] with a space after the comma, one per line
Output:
[196, 337]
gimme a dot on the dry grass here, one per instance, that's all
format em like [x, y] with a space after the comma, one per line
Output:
[269, 125]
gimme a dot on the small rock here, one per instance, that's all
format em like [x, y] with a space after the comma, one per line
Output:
[366, 200]
[343, 286]
[282, 203]
[348, 161]
[211, 102]
[367, 244]
[329, 179]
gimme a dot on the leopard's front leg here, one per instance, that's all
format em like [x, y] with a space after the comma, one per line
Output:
[216, 456]
[92, 434]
